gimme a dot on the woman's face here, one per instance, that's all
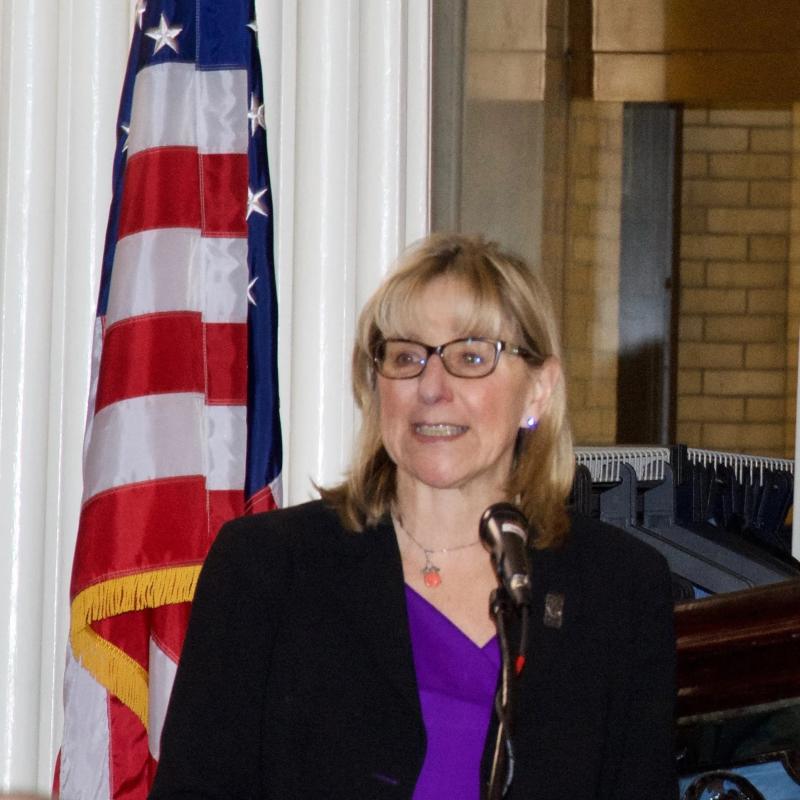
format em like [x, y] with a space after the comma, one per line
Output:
[445, 432]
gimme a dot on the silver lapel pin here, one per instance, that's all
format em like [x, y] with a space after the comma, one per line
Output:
[553, 609]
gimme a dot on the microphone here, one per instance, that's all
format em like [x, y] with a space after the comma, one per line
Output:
[504, 533]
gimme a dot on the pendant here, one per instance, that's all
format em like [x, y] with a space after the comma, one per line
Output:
[430, 573]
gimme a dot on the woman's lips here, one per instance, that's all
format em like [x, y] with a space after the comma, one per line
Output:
[439, 429]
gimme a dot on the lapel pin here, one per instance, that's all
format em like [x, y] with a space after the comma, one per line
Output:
[553, 609]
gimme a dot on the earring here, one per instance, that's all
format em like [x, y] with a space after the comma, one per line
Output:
[532, 423]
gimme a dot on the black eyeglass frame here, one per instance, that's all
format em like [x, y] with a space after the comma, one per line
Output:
[499, 345]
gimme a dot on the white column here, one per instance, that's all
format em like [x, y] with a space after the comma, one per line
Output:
[417, 120]
[61, 68]
[29, 126]
[92, 50]
[346, 93]
[318, 430]
[28, 148]
[277, 33]
[381, 138]
[360, 194]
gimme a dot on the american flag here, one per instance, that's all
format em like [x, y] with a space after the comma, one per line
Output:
[182, 430]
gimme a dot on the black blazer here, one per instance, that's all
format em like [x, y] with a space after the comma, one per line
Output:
[297, 678]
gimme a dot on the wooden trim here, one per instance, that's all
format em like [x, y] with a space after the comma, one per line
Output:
[694, 77]
[579, 50]
[661, 26]
[684, 51]
[739, 650]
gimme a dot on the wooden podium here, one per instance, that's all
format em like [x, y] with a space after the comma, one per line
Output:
[739, 683]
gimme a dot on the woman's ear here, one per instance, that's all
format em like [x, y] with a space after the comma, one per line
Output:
[545, 378]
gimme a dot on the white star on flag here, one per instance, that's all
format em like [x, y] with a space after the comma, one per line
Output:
[254, 203]
[250, 297]
[253, 25]
[141, 7]
[164, 36]
[126, 129]
[256, 115]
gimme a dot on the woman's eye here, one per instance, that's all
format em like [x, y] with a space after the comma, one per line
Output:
[404, 359]
[471, 358]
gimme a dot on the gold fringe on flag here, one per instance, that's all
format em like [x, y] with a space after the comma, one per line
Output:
[110, 666]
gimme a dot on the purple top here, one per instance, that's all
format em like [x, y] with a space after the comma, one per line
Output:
[457, 682]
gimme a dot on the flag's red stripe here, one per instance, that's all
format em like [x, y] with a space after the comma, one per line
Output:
[168, 627]
[164, 353]
[226, 358]
[131, 768]
[150, 525]
[222, 506]
[176, 187]
[262, 500]
[224, 194]
[153, 354]
[168, 623]
[130, 632]
[162, 190]
[141, 526]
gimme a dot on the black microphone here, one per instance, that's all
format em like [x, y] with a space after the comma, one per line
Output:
[504, 533]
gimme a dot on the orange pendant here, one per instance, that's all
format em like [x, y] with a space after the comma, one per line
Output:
[431, 576]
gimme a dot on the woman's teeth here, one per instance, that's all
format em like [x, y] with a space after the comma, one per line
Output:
[440, 429]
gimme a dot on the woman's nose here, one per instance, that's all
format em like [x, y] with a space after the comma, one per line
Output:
[434, 382]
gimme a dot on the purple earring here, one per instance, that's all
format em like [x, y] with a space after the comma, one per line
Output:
[532, 423]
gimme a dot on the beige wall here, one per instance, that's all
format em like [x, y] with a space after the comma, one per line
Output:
[500, 186]
[793, 301]
[555, 156]
[591, 279]
[739, 276]
[732, 385]
[740, 233]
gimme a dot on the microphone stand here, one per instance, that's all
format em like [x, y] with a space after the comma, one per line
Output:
[502, 772]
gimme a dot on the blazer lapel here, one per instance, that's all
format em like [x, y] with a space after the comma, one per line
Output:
[553, 615]
[375, 590]
[371, 581]
[556, 601]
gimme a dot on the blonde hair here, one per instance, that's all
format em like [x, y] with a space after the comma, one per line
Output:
[505, 296]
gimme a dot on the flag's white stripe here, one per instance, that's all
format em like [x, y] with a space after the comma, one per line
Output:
[227, 444]
[222, 103]
[161, 674]
[176, 269]
[85, 748]
[154, 271]
[165, 436]
[176, 105]
[156, 436]
[276, 487]
[224, 265]
[163, 108]
[97, 352]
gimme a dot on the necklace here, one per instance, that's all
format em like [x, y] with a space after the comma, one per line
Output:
[431, 576]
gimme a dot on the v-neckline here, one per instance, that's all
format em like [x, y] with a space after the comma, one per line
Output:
[482, 647]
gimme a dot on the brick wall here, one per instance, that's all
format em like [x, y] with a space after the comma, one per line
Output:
[793, 303]
[555, 157]
[732, 355]
[590, 310]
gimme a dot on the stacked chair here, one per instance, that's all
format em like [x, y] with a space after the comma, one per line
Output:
[721, 521]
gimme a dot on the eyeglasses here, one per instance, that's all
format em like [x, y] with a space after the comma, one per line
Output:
[463, 358]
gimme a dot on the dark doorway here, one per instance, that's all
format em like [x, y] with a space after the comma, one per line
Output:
[648, 278]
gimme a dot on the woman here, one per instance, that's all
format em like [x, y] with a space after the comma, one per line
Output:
[344, 649]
